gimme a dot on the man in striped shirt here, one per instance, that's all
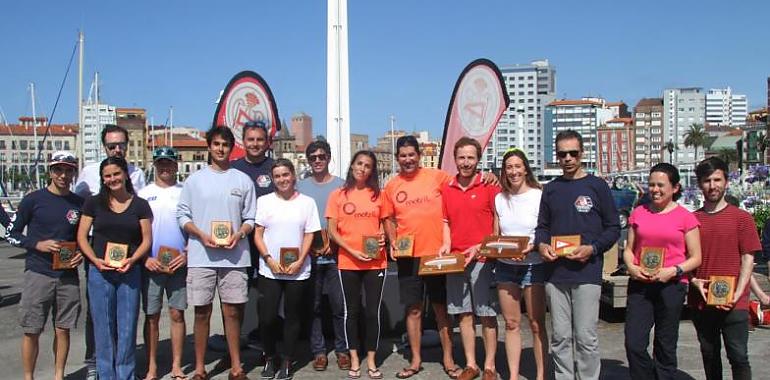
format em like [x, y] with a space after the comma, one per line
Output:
[729, 240]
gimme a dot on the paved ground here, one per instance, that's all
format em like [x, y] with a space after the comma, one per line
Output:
[614, 365]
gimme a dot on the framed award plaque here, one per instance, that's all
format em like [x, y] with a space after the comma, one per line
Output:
[221, 231]
[288, 256]
[320, 242]
[721, 289]
[62, 259]
[651, 259]
[565, 244]
[404, 246]
[435, 265]
[371, 246]
[115, 254]
[165, 255]
[504, 247]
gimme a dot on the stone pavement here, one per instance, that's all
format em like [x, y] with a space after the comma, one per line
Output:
[614, 364]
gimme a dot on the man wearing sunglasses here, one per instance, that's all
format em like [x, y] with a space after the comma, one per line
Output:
[577, 203]
[50, 216]
[325, 276]
[115, 142]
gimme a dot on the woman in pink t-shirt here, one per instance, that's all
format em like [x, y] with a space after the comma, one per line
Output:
[656, 296]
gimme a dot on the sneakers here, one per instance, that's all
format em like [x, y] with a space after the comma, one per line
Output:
[285, 372]
[271, 368]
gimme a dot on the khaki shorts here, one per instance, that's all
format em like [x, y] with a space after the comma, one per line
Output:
[233, 285]
[41, 294]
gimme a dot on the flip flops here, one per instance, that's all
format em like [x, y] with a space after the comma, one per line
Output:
[408, 372]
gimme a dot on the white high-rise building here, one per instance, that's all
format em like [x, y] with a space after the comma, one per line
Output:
[95, 117]
[683, 107]
[530, 87]
[725, 108]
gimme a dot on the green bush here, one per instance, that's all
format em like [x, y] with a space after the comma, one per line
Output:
[761, 215]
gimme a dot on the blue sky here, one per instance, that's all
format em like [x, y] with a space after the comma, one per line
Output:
[405, 56]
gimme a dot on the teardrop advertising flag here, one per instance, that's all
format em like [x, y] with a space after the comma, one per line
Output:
[247, 97]
[478, 102]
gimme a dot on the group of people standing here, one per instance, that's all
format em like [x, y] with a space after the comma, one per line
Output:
[297, 237]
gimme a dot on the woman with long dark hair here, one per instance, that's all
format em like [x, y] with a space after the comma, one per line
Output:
[286, 220]
[655, 298]
[516, 212]
[123, 222]
[355, 214]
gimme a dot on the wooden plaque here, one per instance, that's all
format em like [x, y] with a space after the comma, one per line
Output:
[320, 242]
[404, 246]
[565, 244]
[115, 254]
[61, 259]
[504, 247]
[721, 289]
[165, 255]
[434, 265]
[288, 256]
[651, 259]
[221, 232]
[371, 246]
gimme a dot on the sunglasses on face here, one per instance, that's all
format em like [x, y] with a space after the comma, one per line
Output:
[564, 153]
[59, 170]
[112, 146]
[316, 157]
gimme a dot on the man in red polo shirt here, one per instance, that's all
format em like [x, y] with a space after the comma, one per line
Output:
[469, 206]
[729, 240]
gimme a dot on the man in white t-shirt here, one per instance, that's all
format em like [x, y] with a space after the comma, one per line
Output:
[115, 142]
[163, 197]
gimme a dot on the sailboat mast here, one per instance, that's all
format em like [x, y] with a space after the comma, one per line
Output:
[34, 133]
[171, 127]
[81, 150]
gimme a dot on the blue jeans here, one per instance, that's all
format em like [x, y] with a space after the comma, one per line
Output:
[115, 307]
[326, 280]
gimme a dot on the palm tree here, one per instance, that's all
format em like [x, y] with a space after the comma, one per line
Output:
[670, 148]
[695, 137]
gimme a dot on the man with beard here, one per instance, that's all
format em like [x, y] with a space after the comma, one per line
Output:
[325, 276]
[577, 203]
[729, 241]
[217, 193]
[115, 143]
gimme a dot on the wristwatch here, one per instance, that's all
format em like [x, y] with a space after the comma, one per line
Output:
[243, 235]
[679, 271]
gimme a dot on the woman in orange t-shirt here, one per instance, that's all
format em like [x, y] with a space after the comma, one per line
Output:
[355, 214]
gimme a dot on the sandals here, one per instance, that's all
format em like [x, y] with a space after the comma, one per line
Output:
[354, 373]
[408, 372]
[374, 373]
[453, 372]
[179, 377]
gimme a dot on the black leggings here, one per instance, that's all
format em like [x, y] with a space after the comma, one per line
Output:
[270, 292]
[373, 282]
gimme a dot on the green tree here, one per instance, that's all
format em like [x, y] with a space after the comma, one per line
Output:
[670, 147]
[727, 155]
[695, 137]
[762, 144]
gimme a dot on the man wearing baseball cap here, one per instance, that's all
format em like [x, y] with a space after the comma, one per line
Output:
[50, 215]
[163, 197]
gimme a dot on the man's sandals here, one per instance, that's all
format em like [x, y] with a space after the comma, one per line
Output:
[408, 372]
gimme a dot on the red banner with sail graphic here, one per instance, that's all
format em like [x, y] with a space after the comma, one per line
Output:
[247, 97]
[478, 102]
